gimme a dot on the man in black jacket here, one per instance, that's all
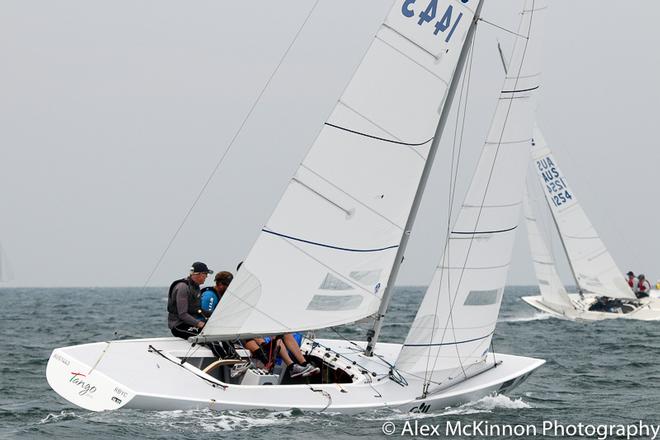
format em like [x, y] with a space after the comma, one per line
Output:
[183, 302]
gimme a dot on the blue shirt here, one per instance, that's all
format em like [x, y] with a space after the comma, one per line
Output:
[208, 301]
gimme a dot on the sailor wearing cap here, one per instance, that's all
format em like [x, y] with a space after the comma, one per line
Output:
[183, 302]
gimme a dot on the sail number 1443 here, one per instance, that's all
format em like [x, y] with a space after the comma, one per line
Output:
[445, 22]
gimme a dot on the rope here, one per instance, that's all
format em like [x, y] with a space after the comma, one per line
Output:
[153, 349]
[231, 143]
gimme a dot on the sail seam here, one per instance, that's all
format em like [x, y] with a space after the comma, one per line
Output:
[593, 257]
[533, 75]
[511, 98]
[339, 248]
[414, 150]
[361, 203]
[527, 11]
[508, 205]
[475, 268]
[575, 237]
[411, 59]
[386, 26]
[508, 142]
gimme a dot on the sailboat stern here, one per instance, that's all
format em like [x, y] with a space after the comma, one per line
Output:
[79, 383]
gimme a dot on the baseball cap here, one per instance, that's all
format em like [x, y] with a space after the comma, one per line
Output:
[199, 267]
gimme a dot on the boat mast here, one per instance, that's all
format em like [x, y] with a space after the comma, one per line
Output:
[372, 335]
[563, 245]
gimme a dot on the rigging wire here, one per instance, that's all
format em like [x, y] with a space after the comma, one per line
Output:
[394, 373]
[363, 370]
[503, 28]
[481, 206]
[453, 198]
[229, 147]
[453, 175]
[496, 154]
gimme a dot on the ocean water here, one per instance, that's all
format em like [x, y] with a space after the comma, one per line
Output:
[600, 373]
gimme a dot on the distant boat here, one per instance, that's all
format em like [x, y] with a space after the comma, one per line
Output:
[330, 252]
[6, 273]
[603, 292]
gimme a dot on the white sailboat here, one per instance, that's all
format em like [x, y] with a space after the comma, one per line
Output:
[330, 252]
[603, 292]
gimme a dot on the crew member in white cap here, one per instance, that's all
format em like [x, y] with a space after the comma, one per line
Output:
[183, 302]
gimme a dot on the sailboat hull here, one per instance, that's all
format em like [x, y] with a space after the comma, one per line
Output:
[147, 374]
[648, 311]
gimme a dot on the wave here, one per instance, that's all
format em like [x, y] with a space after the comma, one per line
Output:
[207, 420]
[54, 418]
[488, 404]
[535, 317]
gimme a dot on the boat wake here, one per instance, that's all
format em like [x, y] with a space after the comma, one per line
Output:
[213, 421]
[209, 421]
[535, 317]
[488, 404]
[62, 416]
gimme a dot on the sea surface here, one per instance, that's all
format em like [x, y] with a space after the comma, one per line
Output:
[600, 373]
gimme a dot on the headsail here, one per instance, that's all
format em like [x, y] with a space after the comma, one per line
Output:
[593, 267]
[552, 289]
[326, 253]
[453, 328]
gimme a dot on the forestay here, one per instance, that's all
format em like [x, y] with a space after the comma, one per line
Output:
[325, 255]
[552, 289]
[452, 331]
[593, 267]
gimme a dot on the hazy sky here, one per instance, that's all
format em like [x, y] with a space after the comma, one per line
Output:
[114, 114]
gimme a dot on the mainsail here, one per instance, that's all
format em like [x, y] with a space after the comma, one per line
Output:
[325, 255]
[593, 267]
[454, 325]
[552, 289]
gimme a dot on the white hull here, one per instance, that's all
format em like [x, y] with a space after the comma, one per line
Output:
[648, 311]
[111, 375]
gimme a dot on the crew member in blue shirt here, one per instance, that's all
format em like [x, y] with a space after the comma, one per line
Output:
[213, 294]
